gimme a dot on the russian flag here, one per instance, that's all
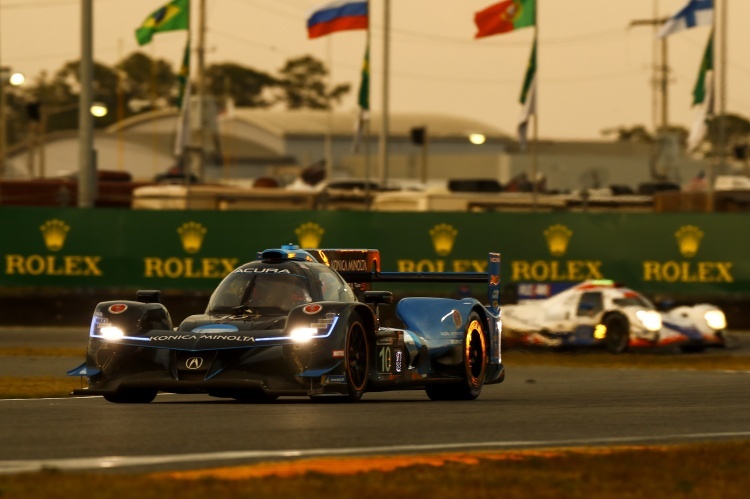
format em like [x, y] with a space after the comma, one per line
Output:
[341, 15]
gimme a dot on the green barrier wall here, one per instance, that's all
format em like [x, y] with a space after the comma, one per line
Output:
[680, 254]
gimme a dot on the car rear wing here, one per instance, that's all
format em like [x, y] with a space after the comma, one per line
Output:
[360, 266]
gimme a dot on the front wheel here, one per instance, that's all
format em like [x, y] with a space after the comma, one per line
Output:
[617, 336]
[474, 366]
[357, 358]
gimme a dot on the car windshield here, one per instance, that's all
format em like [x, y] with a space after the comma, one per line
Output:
[632, 299]
[241, 293]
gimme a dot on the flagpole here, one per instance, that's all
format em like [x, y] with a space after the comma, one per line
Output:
[365, 115]
[535, 129]
[328, 142]
[202, 87]
[717, 77]
[386, 77]
[86, 153]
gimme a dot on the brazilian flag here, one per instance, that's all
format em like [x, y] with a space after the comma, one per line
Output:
[171, 17]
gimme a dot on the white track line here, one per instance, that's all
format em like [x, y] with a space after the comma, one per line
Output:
[109, 462]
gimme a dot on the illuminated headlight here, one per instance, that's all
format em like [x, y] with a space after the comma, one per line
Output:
[111, 332]
[600, 331]
[651, 319]
[716, 319]
[302, 334]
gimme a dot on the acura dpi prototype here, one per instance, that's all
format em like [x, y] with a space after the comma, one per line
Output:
[288, 324]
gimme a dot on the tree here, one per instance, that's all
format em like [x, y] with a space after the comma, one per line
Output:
[736, 132]
[636, 133]
[246, 86]
[147, 79]
[142, 83]
[304, 81]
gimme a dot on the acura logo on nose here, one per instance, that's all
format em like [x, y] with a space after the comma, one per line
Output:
[194, 363]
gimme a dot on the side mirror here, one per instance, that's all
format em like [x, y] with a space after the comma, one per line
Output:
[148, 296]
[378, 297]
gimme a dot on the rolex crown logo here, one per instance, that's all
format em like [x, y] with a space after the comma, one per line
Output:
[557, 237]
[309, 235]
[54, 233]
[443, 237]
[688, 239]
[191, 235]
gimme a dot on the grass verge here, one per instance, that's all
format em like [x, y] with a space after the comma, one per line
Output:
[705, 470]
[12, 387]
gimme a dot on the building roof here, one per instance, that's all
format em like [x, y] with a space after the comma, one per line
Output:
[316, 123]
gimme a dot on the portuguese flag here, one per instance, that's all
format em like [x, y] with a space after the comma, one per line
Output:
[505, 16]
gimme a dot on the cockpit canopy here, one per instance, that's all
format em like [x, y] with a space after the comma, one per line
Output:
[277, 288]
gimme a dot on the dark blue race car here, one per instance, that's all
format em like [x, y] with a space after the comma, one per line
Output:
[299, 322]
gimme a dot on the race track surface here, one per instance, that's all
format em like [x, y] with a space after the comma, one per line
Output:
[535, 406]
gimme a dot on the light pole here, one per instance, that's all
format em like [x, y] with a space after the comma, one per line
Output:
[14, 79]
[87, 154]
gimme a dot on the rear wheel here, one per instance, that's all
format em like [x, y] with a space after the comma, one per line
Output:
[357, 358]
[617, 338]
[474, 366]
[131, 396]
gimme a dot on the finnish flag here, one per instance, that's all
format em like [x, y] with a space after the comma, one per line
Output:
[695, 13]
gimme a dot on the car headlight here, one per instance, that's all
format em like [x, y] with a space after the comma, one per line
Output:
[651, 319]
[600, 331]
[111, 332]
[715, 319]
[302, 334]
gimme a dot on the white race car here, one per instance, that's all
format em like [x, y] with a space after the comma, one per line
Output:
[603, 313]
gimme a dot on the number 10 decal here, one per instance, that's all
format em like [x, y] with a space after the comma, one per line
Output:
[386, 362]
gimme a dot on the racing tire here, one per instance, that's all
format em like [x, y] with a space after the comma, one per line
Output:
[693, 348]
[356, 358]
[131, 397]
[474, 366]
[617, 338]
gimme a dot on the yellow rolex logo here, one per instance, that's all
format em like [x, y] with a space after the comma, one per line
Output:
[688, 239]
[54, 233]
[443, 237]
[191, 235]
[309, 235]
[557, 237]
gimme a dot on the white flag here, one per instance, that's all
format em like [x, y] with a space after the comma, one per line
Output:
[695, 13]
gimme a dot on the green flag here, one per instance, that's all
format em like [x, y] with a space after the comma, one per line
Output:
[707, 64]
[364, 86]
[530, 73]
[171, 17]
[183, 77]
[528, 98]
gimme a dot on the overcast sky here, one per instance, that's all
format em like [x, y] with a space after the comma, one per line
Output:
[594, 71]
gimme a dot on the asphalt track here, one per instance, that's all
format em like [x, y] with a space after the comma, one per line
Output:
[535, 407]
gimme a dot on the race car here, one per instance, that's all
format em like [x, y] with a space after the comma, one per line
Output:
[299, 323]
[605, 313]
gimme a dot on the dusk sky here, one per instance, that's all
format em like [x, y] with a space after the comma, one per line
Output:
[594, 70]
